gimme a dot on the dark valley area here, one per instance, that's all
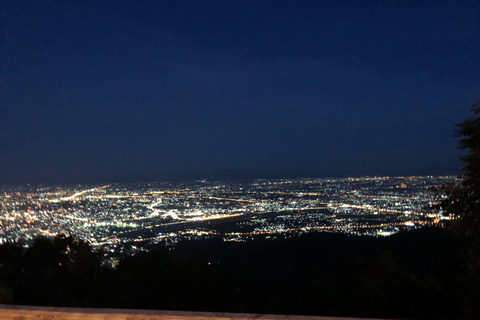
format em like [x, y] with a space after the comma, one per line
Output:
[417, 274]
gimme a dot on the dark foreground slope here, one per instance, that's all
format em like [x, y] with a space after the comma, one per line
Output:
[415, 274]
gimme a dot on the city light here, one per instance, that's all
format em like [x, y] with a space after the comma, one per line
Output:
[117, 215]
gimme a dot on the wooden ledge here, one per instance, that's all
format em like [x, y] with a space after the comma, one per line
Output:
[13, 312]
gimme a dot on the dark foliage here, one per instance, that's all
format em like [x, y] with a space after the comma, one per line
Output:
[61, 271]
[414, 275]
[464, 200]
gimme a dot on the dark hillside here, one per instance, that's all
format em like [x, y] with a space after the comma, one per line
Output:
[414, 274]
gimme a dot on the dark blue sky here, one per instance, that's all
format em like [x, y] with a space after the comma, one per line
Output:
[127, 90]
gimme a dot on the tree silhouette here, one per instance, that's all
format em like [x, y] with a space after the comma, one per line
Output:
[463, 200]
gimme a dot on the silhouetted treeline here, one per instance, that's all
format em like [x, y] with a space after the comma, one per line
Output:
[417, 275]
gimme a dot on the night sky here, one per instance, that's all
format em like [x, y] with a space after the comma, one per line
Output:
[94, 91]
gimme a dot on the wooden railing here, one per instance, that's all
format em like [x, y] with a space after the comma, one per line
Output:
[11, 312]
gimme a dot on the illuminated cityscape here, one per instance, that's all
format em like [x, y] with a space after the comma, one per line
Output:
[125, 218]
[240, 159]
